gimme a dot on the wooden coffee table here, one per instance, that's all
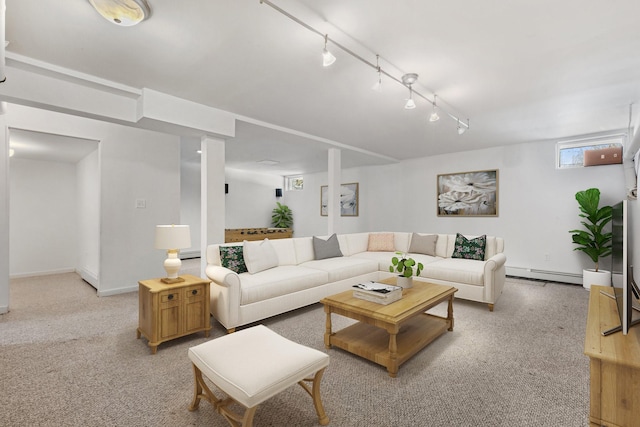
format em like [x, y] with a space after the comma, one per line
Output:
[389, 334]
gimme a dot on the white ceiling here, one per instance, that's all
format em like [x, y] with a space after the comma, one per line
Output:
[520, 71]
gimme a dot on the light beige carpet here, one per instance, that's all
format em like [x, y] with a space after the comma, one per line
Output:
[69, 358]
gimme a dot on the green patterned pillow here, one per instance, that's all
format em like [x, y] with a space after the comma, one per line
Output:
[231, 257]
[469, 248]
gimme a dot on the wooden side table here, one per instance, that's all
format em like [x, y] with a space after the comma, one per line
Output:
[171, 311]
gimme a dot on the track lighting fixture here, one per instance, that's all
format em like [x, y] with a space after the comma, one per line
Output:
[327, 57]
[377, 86]
[434, 117]
[462, 127]
[410, 105]
[407, 80]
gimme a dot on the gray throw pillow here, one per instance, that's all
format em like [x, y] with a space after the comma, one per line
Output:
[329, 248]
[423, 244]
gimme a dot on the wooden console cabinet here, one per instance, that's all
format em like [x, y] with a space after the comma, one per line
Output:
[614, 365]
[171, 311]
[241, 234]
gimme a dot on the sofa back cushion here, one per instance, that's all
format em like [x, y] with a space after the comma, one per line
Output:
[304, 249]
[355, 243]
[286, 251]
[259, 256]
[326, 248]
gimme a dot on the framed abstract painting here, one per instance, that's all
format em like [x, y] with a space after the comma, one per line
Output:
[348, 199]
[468, 193]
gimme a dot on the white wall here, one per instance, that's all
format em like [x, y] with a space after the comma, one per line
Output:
[43, 217]
[251, 198]
[536, 202]
[134, 164]
[88, 229]
[378, 197]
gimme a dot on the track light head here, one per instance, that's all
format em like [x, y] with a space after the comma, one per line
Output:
[462, 128]
[434, 117]
[327, 57]
[410, 105]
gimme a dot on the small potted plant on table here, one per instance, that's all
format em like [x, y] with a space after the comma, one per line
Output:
[405, 266]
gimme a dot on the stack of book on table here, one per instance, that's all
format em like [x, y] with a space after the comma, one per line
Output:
[377, 292]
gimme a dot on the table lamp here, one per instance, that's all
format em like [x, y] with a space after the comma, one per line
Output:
[172, 238]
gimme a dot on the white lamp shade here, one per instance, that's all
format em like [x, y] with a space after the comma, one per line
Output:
[173, 237]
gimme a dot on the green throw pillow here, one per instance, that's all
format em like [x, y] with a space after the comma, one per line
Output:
[231, 257]
[469, 248]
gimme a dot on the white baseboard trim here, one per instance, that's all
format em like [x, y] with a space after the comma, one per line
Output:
[189, 254]
[554, 276]
[117, 291]
[4, 309]
[89, 277]
[42, 273]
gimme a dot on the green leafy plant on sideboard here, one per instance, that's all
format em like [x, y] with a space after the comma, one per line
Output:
[281, 216]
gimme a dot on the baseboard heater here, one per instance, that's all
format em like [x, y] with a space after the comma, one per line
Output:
[552, 276]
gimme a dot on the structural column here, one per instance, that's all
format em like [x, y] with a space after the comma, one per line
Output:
[4, 211]
[212, 205]
[333, 190]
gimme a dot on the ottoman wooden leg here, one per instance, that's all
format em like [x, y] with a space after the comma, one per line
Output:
[314, 392]
[202, 391]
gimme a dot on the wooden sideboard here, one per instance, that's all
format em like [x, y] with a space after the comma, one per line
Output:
[614, 365]
[166, 312]
[241, 234]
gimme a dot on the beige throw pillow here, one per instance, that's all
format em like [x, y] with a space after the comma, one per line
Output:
[259, 256]
[423, 244]
[381, 242]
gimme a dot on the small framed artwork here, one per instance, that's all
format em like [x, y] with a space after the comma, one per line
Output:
[468, 193]
[348, 199]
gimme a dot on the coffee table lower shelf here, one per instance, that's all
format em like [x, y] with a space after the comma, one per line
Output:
[374, 343]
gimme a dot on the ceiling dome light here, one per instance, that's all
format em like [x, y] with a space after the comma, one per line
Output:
[327, 57]
[122, 12]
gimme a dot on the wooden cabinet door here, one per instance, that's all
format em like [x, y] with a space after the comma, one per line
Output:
[195, 316]
[170, 313]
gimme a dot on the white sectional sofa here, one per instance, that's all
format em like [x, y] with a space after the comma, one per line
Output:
[286, 274]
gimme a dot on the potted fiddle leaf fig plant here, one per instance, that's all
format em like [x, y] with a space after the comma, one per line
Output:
[281, 216]
[595, 241]
[404, 265]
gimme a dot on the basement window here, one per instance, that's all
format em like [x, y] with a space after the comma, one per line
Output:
[571, 154]
[294, 183]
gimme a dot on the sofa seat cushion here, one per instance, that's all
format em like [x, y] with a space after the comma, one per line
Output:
[342, 267]
[467, 271]
[279, 281]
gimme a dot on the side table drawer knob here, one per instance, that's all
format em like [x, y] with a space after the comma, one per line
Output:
[170, 297]
[194, 292]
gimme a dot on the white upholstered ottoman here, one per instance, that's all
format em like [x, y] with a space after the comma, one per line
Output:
[251, 366]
